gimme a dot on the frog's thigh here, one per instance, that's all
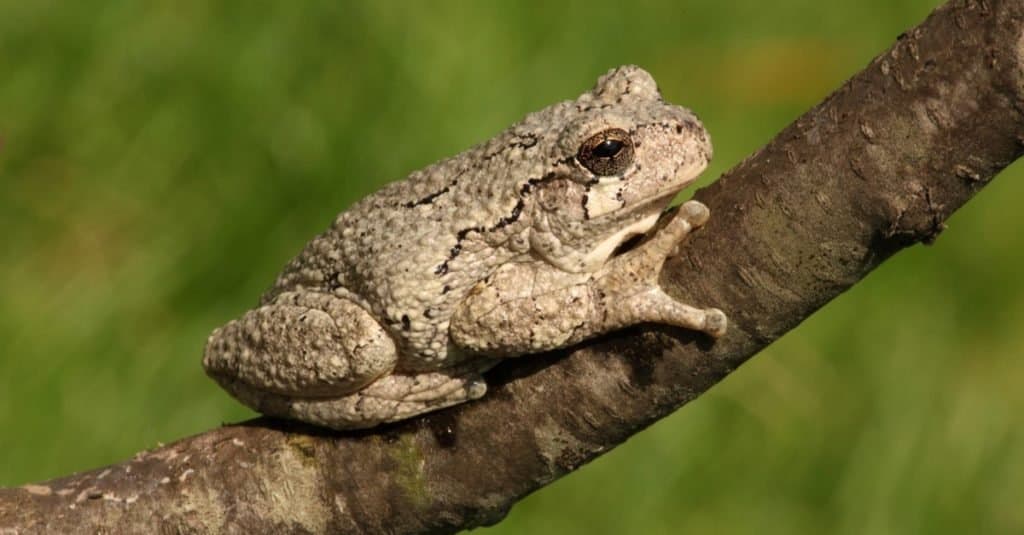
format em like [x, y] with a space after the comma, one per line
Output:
[301, 345]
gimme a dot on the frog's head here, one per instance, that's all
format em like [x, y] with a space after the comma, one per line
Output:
[621, 157]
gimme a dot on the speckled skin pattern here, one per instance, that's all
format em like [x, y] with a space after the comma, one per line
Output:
[504, 250]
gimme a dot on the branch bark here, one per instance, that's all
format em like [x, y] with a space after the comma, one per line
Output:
[876, 167]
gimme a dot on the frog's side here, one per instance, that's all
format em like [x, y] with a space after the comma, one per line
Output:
[503, 250]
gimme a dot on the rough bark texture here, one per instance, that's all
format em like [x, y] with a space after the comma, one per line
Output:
[876, 167]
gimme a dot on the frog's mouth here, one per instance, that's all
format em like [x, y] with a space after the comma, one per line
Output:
[639, 211]
[616, 197]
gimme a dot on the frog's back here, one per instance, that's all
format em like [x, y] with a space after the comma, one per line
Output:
[415, 245]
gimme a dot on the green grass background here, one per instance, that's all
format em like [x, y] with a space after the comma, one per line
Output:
[160, 162]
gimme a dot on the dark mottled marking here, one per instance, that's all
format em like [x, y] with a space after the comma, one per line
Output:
[586, 211]
[406, 323]
[528, 142]
[465, 232]
[531, 140]
[517, 211]
[428, 199]
[528, 186]
[511, 218]
[332, 281]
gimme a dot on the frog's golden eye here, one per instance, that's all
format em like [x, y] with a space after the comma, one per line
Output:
[607, 153]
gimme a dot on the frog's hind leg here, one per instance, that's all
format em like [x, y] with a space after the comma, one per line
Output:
[326, 361]
[391, 398]
[301, 344]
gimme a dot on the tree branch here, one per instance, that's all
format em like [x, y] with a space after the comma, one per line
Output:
[876, 167]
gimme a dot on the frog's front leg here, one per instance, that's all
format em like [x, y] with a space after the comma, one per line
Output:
[325, 360]
[526, 308]
[629, 282]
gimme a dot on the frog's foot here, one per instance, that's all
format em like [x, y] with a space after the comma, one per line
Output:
[654, 305]
[629, 283]
[690, 216]
[389, 399]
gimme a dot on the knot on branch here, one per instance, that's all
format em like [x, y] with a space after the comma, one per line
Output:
[915, 216]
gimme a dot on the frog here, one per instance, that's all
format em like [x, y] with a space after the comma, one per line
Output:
[537, 239]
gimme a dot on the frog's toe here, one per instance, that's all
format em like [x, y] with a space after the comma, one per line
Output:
[476, 388]
[715, 322]
[695, 213]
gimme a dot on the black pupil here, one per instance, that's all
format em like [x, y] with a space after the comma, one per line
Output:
[608, 148]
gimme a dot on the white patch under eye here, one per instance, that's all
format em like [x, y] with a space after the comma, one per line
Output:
[603, 198]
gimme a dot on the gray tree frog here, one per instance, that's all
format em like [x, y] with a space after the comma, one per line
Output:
[507, 249]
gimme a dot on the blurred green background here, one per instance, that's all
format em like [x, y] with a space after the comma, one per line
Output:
[161, 161]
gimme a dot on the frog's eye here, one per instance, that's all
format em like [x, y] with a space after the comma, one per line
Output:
[607, 153]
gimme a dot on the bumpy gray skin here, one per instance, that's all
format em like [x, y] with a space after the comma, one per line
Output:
[504, 250]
